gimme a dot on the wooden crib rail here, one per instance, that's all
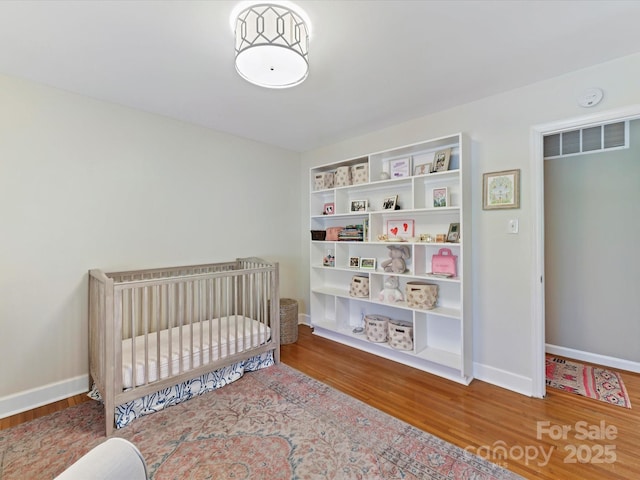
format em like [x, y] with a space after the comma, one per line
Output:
[200, 307]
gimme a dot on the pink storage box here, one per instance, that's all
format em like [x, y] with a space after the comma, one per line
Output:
[332, 233]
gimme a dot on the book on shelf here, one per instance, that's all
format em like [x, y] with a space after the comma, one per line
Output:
[351, 233]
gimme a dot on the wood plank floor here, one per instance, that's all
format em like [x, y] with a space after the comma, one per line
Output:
[487, 420]
[484, 417]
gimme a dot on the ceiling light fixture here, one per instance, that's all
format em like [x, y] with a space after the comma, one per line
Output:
[271, 43]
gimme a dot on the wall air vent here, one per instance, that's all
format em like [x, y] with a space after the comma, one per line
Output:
[587, 140]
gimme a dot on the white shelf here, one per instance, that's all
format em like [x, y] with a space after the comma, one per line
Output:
[443, 335]
[442, 357]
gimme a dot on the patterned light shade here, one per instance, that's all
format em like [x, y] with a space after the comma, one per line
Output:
[272, 45]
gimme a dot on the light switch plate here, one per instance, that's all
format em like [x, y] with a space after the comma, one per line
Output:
[512, 226]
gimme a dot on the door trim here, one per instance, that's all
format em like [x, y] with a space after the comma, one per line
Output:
[630, 112]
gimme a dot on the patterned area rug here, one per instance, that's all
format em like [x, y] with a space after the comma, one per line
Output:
[599, 383]
[273, 424]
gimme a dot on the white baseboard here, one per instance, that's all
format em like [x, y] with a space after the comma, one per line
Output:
[596, 358]
[37, 397]
[304, 319]
[504, 379]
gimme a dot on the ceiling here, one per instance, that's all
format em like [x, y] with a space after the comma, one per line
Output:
[373, 63]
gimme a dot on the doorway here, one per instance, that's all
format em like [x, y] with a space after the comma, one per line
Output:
[537, 185]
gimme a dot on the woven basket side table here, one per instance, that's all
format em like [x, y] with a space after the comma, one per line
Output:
[288, 321]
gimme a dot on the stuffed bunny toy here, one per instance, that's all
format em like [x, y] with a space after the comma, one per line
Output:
[396, 264]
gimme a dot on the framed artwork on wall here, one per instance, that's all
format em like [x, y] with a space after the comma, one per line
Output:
[501, 190]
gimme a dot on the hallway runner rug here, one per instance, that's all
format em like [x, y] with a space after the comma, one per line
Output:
[592, 382]
[275, 424]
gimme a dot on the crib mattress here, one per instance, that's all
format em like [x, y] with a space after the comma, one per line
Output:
[237, 334]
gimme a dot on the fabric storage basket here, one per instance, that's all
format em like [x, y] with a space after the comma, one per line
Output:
[400, 335]
[375, 328]
[343, 177]
[324, 180]
[288, 321]
[318, 234]
[359, 286]
[360, 173]
[332, 233]
[422, 295]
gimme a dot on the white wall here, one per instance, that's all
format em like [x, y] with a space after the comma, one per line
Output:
[86, 184]
[500, 131]
[592, 226]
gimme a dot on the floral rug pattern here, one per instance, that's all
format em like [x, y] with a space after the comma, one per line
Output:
[593, 382]
[276, 423]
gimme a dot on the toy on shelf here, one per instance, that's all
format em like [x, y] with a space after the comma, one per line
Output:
[391, 292]
[398, 254]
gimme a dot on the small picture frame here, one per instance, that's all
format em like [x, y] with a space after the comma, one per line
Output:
[453, 236]
[368, 263]
[501, 190]
[400, 228]
[390, 203]
[440, 197]
[423, 169]
[400, 167]
[358, 205]
[354, 262]
[441, 160]
[329, 209]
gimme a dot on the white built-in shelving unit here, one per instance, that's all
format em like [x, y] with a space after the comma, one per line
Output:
[442, 336]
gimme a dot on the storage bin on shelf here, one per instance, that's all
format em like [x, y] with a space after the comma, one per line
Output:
[422, 295]
[400, 335]
[323, 180]
[333, 232]
[359, 286]
[318, 234]
[376, 328]
[360, 173]
[343, 177]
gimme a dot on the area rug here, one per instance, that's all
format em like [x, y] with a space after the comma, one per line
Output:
[593, 382]
[273, 424]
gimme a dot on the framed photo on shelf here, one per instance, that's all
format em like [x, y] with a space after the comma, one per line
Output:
[358, 205]
[453, 236]
[423, 169]
[501, 190]
[440, 197]
[368, 263]
[400, 228]
[329, 209]
[441, 160]
[400, 167]
[390, 203]
[354, 262]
